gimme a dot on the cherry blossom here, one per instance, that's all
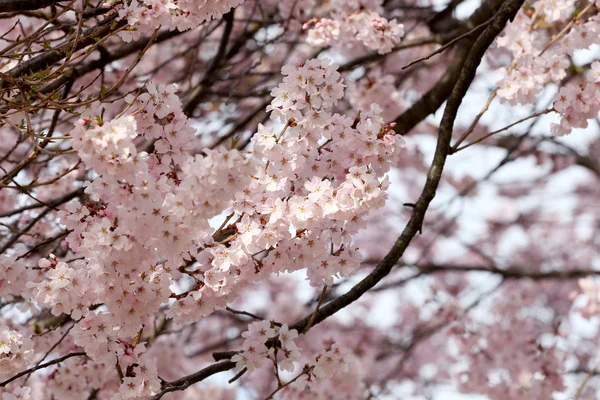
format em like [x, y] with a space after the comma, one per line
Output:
[299, 199]
[16, 351]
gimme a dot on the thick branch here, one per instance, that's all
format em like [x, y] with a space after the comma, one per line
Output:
[198, 92]
[187, 381]
[508, 10]
[511, 273]
[438, 94]
[25, 5]
[414, 225]
[49, 58]
[508, 273]
[122, 52]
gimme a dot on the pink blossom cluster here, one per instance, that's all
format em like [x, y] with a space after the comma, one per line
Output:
[143, 382]
[159, 118]
[144, 16]
[578, 102]
[306, 181]
[377, 88]
[346, 30]
[333, 361]
[284, 354]
[254, 352]
[79, 376]
[530, 70]
[107, 147]
[64, 289]
[94, 334]
[590, 294]
[555, 10]
[296, 9]
[332, 366]
[537, 61]
[20, 393]
[12, 278]
[16, 351]
[144, 235]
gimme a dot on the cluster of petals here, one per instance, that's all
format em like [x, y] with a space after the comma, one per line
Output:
[106, 147]
[12, 278]
[329, 376]
[283, 352]
[143, 235]
[365, 27]
[143, 382]
[377, 88]
[161, 120]
[531, 70]
[20, 393]
[16, 351]
[65, 288]
[144, 16]
[555, 10]
[578, 102]
[539, 59]
[333, 361]
[254, 351]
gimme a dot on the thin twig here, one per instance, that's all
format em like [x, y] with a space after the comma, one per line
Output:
[450, 43]
[51, 350]
[585, 381]
[42, 366]
[312, 319]
[566, 28]
[280, 387]
[534, 115]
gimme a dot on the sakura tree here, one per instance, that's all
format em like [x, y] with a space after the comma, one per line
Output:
[299, 199]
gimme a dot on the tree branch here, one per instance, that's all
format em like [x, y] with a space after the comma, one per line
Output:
[196, 95]
[439, 93]
[187, 381]
[49, 58]
[472, 61]
[414, 225]
[25, 5]
[42, 366]
[508, 273]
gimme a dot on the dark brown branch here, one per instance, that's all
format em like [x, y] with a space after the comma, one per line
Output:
[198, 92]
[42, 366]
[13, 239]
[438, 94]
[53, 203]
[25, 5]
[511, 273]
[49, 58]
[472, 61]
[187, 381]
[106, 59]
[508, 273]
